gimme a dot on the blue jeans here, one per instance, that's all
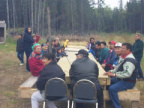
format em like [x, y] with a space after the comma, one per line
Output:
[118, 85]
[140, 73]
[20, 56]
[28, 53]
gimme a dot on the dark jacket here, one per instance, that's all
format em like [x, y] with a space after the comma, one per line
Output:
[138, 49]
[27, 40]
[110, 58]
[84, 68]
[19, 47]
[52, 70]
[103, 55]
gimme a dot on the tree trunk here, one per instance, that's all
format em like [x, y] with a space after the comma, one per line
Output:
[38, 30]
[32, 15]
[13, 3]
[49, 30]
[43, 12]
[8, 22]
[72, 15]
[82, 15]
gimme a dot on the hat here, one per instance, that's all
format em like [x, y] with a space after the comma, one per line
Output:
[34, 46]
[112, 42]
[118, 44]
[82, 52]
[33, 35]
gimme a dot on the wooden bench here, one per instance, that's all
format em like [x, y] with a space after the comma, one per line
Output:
[26, 89]
[132, 95]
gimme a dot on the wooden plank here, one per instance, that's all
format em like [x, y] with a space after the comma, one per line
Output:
[26, 93]
[29, 83]
[125, 95]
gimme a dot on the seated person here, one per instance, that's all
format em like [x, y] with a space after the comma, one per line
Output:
[124, 75]
[36, 38]
[118, 53]
[51, 70]
[108, 62]
[57, 40]
[44, 48]
[58, 54]
[84, 68]
[103, 53]
[63, 51]
[92, 47]
[35, 60]
[98, 49]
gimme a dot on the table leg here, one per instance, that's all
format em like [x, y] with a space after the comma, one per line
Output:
[104, 100]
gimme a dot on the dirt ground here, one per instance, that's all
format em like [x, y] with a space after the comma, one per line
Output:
[12, 76]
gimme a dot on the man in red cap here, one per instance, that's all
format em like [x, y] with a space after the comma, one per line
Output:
[108, 62]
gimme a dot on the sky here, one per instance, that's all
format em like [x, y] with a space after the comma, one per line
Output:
[114, 3]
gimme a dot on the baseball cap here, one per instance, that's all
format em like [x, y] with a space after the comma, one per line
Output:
[82, 52]
[118, 44]
[112, 42]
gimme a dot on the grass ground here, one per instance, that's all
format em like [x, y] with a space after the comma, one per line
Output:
[12, 75]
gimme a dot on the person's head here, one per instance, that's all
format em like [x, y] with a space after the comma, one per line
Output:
[45, 47]
[126, 48]
[62, 48]
[34, 37]
[47, 58]
[117, 48]
[92, 40]
[37, 49]
[53, 42]
[59, 50]
[29, 30]
[112, 44]
[137, 36]
[81, 53]
[103, 44]
[19, 36]
[98, 45]
[57, 39]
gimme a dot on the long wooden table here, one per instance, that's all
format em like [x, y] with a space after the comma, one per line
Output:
[28, 88]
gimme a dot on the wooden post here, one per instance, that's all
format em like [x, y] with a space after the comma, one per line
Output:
[49, 30]
[135, 104]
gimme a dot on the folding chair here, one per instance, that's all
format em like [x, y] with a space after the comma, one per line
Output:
[84, 91]
[56, 88]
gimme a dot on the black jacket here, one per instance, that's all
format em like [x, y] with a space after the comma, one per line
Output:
[52, 70]
[19, 47]
[27, 40]
[84, 68]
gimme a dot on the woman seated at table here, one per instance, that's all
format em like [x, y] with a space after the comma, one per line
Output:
[35, 60]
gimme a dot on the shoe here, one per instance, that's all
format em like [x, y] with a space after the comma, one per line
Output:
[21, 64]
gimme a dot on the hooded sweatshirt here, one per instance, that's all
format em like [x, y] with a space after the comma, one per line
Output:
[27, 40]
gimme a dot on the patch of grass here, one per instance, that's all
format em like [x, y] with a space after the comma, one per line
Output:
[8, 93]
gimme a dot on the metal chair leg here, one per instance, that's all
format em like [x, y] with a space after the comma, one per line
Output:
[68, 103]
[72, 104]
[44, 104]
[96, 105]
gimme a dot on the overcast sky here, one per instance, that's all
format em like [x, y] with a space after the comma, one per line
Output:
[114, 3]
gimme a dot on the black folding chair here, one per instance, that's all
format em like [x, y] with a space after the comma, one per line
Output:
[56, 89]
[84, 91]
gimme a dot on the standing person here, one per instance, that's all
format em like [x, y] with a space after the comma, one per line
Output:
[20, 49]
[66, 43]
[51, 70]
[36, 38]
[84, 68]
[103, 53]
[138, 53]
[124, 75]
[108, 62]
[28, 43]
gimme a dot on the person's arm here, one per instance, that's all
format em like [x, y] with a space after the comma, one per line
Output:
[128, 69]
[38, 38]
[28, 38]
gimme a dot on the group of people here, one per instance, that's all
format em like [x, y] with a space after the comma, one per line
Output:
[28, 43]
[121, 62]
